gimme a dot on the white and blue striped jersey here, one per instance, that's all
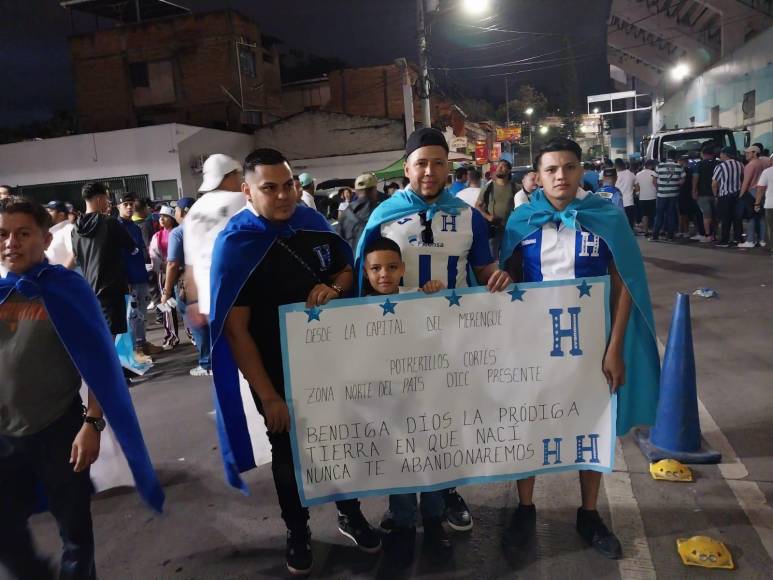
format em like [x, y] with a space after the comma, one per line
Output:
[556, 252]
[441, 248]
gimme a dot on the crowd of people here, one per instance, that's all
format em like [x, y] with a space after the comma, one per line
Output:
[253, 240]
[717, 199]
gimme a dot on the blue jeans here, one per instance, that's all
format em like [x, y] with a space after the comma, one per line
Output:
[403, 507]
[200, 335]
[44, 458]
[138, 305]
[665, 211]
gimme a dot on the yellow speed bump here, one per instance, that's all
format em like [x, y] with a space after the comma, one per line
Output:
[705, 552]
[670, 470]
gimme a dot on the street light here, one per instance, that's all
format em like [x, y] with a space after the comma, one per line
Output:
[543, 130]
[595, 110]
[423, 23]
[680, 72]
[529, 111]
[475, 6]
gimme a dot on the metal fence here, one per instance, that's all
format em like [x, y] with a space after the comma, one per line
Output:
[71, 190]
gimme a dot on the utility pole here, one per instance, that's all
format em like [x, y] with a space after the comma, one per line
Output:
[507, 101]
[410, 125]
[423, 64]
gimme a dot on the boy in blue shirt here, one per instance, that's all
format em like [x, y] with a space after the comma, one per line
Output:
[566, 233]
[609, 191]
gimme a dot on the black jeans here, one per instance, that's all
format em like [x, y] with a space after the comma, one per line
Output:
[295, 516]
[727, 209]
[45, 457]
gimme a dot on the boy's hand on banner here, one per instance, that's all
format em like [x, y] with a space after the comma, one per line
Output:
[321, 294]
[433, 286]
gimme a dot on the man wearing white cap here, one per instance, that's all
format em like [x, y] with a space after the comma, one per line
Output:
[307, 193]
[223, 197]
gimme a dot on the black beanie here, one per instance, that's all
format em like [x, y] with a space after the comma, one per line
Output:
[424, 137]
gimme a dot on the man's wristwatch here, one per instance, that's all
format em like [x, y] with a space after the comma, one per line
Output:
[98, 423]
[338, 289]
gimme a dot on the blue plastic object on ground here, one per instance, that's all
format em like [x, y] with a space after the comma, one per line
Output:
[677, 431]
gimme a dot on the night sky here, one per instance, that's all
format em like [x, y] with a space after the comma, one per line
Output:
[35, 66]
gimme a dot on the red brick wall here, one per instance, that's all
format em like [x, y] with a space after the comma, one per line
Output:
[377, 92]
[202, 50]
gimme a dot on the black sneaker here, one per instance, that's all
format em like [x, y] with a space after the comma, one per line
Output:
[457, 514]
[298, 553]
[522, 526]
[387, 523]
[400, 546]
[357, 529]
[592, 529]
[437, 544]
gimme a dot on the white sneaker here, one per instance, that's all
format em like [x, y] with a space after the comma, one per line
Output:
[763, 244]
[151, 306]
[746, 245]
[697, 238]
[704, 239]
[199, 371]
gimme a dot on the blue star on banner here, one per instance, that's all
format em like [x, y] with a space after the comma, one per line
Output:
[516, 294]
[389, 307]
[453, 299]
[584, 288]
[313, 313]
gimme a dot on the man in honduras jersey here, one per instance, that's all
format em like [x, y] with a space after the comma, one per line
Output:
[440, 238]
[563, 233]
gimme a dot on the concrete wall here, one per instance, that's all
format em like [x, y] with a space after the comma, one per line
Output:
[314, 134]
[161, 152]
[750, 67]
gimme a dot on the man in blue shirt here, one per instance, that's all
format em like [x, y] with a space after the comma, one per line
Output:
[460, 180]
[174, 285]
[609, 189]
[138, 281]
[567, 233]
[441, 238]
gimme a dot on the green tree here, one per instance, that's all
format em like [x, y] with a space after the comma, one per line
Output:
[526, 96]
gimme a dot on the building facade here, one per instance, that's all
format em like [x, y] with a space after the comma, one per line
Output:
[209, 70]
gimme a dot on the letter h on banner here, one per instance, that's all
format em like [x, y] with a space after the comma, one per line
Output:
[555, 452]
[449, 221]
[573, 332]
[593, 448]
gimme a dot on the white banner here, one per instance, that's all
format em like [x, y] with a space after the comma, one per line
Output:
[415, 392]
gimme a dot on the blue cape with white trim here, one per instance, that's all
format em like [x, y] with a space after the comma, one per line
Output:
[638, 397]
[239, 249]
[76, 315]
[403, 203]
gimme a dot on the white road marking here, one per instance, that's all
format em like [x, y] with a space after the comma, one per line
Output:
[627, 523]
[748, 493]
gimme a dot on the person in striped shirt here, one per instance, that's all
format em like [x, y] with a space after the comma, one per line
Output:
[726, 184]
[669, 180]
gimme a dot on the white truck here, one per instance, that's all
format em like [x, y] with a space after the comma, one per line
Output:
[690, 141]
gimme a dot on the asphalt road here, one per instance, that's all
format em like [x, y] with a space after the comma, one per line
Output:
[210, 531]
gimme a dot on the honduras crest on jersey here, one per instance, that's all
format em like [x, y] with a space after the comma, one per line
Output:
[560, 253]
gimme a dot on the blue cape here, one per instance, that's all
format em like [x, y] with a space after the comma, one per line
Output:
[403, 203]
[239, 249]
[77, 318]
[638, 397]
